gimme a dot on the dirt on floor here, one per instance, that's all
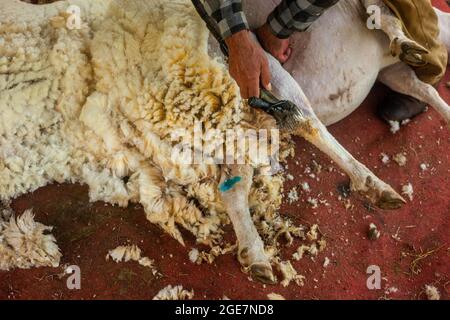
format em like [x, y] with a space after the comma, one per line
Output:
[413, 248]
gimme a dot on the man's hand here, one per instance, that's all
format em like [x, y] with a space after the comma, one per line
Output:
[279, 48]
[248, 64]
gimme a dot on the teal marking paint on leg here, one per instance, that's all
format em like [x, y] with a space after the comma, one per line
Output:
[229, 184]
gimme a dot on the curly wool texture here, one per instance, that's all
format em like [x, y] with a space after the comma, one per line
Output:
[24, 243]
[289, 274]
[174, 293]
[97, 105]
[131, 253]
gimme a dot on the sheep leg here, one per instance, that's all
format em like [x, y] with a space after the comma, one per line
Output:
[401, 78]
[362, 179]
[406, 49]
[313, 130]
[251, 248]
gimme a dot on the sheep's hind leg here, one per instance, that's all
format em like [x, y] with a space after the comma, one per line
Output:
[313, 130]
[362, 179]
[406, 49]
[251, 248]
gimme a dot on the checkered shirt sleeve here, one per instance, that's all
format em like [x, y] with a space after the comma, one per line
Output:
[228, 14]
[296, 15]
[289, 16]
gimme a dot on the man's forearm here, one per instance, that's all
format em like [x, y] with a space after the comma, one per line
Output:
[253, 71]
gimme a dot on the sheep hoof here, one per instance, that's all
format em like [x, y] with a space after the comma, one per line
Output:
[390, 201]
[263, 273]
[379, 193]
[408, 51]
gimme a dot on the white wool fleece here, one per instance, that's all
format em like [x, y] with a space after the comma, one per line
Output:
[97, 104]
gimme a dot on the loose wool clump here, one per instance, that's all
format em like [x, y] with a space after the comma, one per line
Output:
[24, 243]
[97, 103]
[174, 293]
[131, 253]
[432, 292]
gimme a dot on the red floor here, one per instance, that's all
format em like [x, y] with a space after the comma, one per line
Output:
[85, 231]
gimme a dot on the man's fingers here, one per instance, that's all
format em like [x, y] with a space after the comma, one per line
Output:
[283, 58]
[244, 93]
[285, 55]
[253, 88]
[243, 85]
[288, 53]
[265, 76]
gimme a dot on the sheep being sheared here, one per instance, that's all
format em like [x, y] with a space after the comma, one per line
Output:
[98, 104]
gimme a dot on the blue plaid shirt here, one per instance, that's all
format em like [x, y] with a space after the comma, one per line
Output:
[289, 16]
